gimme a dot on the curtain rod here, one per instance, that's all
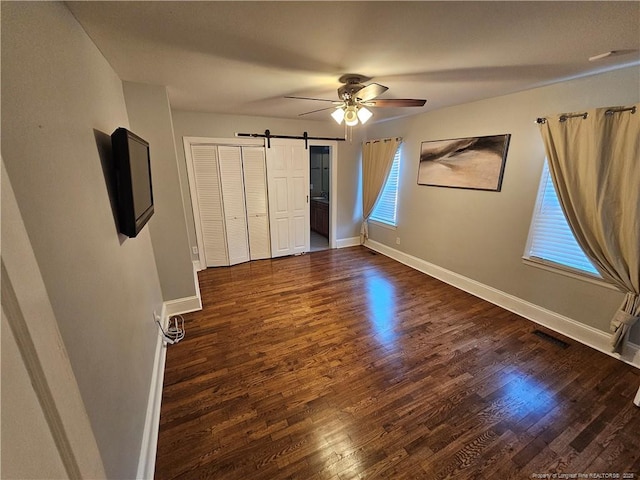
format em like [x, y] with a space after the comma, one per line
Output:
[563, 117]
[305, 136]
[384, 140]
[611, 111]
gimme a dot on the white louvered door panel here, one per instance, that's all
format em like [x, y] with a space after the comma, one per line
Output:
[235, 214]
[205, 165]
[255, 187]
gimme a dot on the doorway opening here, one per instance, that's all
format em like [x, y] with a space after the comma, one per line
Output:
[320, 197]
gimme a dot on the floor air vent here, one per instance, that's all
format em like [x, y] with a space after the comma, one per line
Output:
[551, 339]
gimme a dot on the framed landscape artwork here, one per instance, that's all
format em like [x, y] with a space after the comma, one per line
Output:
[475, 163]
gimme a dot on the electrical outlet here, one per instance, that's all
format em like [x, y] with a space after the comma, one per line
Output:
[397, 240]
[156, 317]
[194, 250]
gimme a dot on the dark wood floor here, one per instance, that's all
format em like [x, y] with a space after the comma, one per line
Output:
[346, 364]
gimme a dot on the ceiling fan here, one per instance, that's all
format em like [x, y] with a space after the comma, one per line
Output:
[355, 97]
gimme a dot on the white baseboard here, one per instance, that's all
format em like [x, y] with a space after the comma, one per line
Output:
[182, 305]
[348, 242]
[198, 267]
[580, 332]
[147, 460]
[187, 304]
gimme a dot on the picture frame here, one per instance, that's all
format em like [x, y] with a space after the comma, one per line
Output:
[474, 163]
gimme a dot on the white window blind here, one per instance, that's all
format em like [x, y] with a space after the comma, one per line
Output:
[385, 209]
[550, 238]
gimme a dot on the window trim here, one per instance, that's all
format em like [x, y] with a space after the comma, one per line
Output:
[382, 224]
[567, 271]
[380, 221]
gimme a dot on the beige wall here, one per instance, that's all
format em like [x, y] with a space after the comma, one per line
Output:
[196, 124]
[482, 235]
[150, 117]
[60, 102]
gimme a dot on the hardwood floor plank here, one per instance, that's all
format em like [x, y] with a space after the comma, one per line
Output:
[346, 364]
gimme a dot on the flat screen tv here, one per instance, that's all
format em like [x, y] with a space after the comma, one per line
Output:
[133, 176]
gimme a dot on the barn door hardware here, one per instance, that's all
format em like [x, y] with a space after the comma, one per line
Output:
[267, 134]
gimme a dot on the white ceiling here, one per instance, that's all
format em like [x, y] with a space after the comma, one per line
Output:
[243, 57]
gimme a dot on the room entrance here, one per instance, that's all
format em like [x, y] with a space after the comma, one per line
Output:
[319, 193]
[323, 193]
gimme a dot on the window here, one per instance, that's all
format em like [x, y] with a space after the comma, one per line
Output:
[551, 241]
[385, 209]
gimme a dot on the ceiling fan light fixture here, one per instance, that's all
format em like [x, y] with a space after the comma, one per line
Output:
[354, 97]
[364, 114]
[351, 116]
[338, 115]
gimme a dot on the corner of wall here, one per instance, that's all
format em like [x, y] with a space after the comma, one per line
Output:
[348, 242]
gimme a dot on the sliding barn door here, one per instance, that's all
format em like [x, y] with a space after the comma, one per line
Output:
[255, 187]
[210, 218]
[235, 219]
[288, 185]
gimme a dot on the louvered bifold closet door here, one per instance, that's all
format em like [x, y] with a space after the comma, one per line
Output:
[255, 187]
[207, 179]
[230, 161]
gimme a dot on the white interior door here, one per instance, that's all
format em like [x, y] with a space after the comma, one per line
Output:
[288, 185]
[255, 186]
[235, 213]
[209, 217]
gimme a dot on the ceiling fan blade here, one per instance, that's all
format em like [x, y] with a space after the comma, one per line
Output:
[316, 99]
[370, 92]
[314, 111]
[396, 102]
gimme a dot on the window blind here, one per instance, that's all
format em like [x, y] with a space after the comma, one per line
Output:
[550, 238]
[385, 209]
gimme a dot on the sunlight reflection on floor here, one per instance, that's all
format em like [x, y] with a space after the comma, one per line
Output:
[381, 298]
[526, 394]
